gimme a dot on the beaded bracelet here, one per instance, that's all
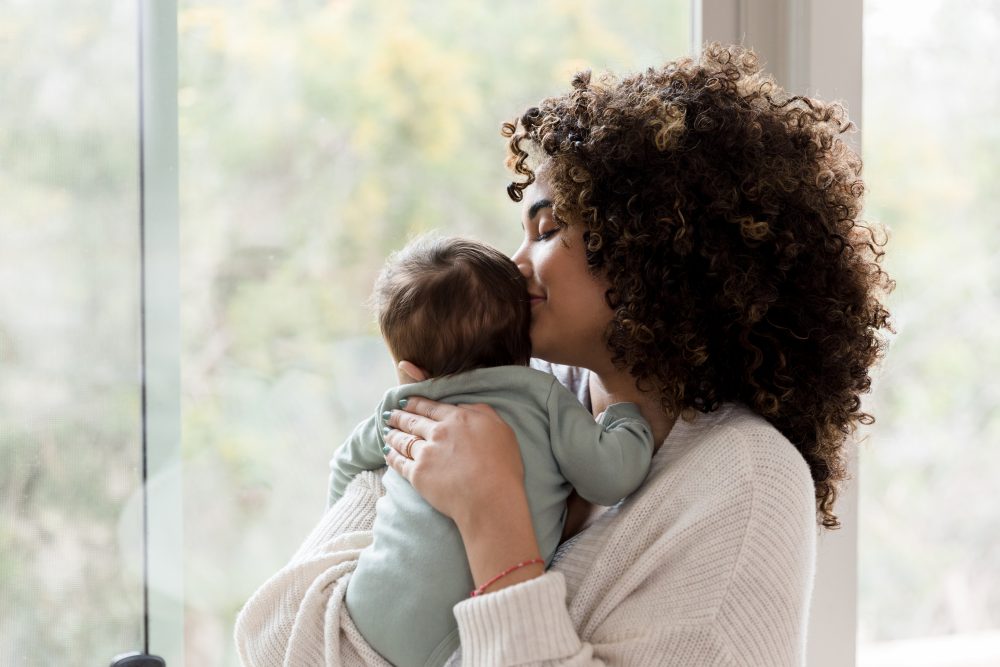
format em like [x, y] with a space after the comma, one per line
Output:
[482, 589]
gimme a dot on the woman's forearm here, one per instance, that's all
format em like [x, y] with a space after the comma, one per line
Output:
[498, 538]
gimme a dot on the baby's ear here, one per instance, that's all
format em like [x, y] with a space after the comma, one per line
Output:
[412, 371]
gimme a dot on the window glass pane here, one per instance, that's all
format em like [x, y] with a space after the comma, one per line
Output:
[314, 138]
[930, 529]
[70, 571]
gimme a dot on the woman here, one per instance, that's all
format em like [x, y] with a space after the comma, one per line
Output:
[692, 245]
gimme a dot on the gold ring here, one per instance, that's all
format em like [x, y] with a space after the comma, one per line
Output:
[408, 447]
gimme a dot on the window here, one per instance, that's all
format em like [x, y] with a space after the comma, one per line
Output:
[929, 587]
[70, 397]
[313, 138]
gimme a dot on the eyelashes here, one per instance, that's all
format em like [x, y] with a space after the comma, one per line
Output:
[559, 226]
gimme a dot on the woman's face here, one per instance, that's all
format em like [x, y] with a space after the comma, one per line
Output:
[569, 314]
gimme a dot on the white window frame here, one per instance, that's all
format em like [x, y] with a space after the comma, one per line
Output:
[812, 47]
[159, 198]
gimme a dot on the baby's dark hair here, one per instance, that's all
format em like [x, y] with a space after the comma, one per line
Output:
[450, 305]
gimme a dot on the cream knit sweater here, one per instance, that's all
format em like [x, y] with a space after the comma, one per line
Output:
[710, 562]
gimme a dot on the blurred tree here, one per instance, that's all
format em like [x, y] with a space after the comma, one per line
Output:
[69, 393]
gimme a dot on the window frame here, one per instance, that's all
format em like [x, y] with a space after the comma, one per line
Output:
[812, 47]
[160, 297]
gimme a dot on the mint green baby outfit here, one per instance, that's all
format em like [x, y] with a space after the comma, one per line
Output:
[401, 595]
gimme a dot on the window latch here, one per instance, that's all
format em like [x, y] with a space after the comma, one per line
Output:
[136, 659]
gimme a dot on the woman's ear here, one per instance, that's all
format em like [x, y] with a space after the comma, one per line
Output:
[410, 370]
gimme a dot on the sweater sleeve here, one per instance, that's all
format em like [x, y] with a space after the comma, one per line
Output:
[528, 624]
[604, 460]
[362, 451]
[298, 616]
[523, 624]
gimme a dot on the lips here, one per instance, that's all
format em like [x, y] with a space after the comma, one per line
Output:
[535, 298]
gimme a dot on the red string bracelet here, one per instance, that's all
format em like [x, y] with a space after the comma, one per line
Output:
[482, 589]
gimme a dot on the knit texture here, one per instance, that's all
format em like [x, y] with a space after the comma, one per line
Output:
[710, 562]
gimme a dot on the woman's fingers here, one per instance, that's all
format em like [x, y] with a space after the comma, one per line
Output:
[399, 463]
[425, 407]
[403, 443]
[410, 428]
[410, 423]
[419, 415]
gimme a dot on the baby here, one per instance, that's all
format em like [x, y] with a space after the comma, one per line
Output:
[457, 312]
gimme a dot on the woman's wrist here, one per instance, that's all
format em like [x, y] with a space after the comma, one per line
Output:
[510, 570]
[498, 539]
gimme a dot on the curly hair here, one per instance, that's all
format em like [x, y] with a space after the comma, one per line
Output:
[724, 214]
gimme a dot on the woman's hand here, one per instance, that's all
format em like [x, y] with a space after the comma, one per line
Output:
[465, 461]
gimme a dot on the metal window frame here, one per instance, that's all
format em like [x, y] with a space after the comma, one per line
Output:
[813, 47]
[159, 221]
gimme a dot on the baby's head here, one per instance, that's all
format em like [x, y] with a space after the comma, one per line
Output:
[450, 305]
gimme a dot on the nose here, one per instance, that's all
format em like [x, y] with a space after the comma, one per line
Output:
[520, 259]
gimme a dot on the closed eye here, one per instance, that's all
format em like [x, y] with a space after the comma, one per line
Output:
[544, 236]
[549, 228]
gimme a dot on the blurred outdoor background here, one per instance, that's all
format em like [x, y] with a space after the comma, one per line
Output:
[314, 138]
[929, 540]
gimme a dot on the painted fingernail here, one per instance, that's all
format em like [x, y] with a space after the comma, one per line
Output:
[402, 402]
[385, 430]
[385, 449]
[386, 415]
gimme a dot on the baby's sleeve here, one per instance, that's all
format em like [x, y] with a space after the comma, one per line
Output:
[604, 460]
[361, 451]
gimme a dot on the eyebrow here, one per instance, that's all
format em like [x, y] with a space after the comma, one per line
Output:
[538, 206]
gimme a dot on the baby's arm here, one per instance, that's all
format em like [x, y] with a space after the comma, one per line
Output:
[362, 451]
[604, 460]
